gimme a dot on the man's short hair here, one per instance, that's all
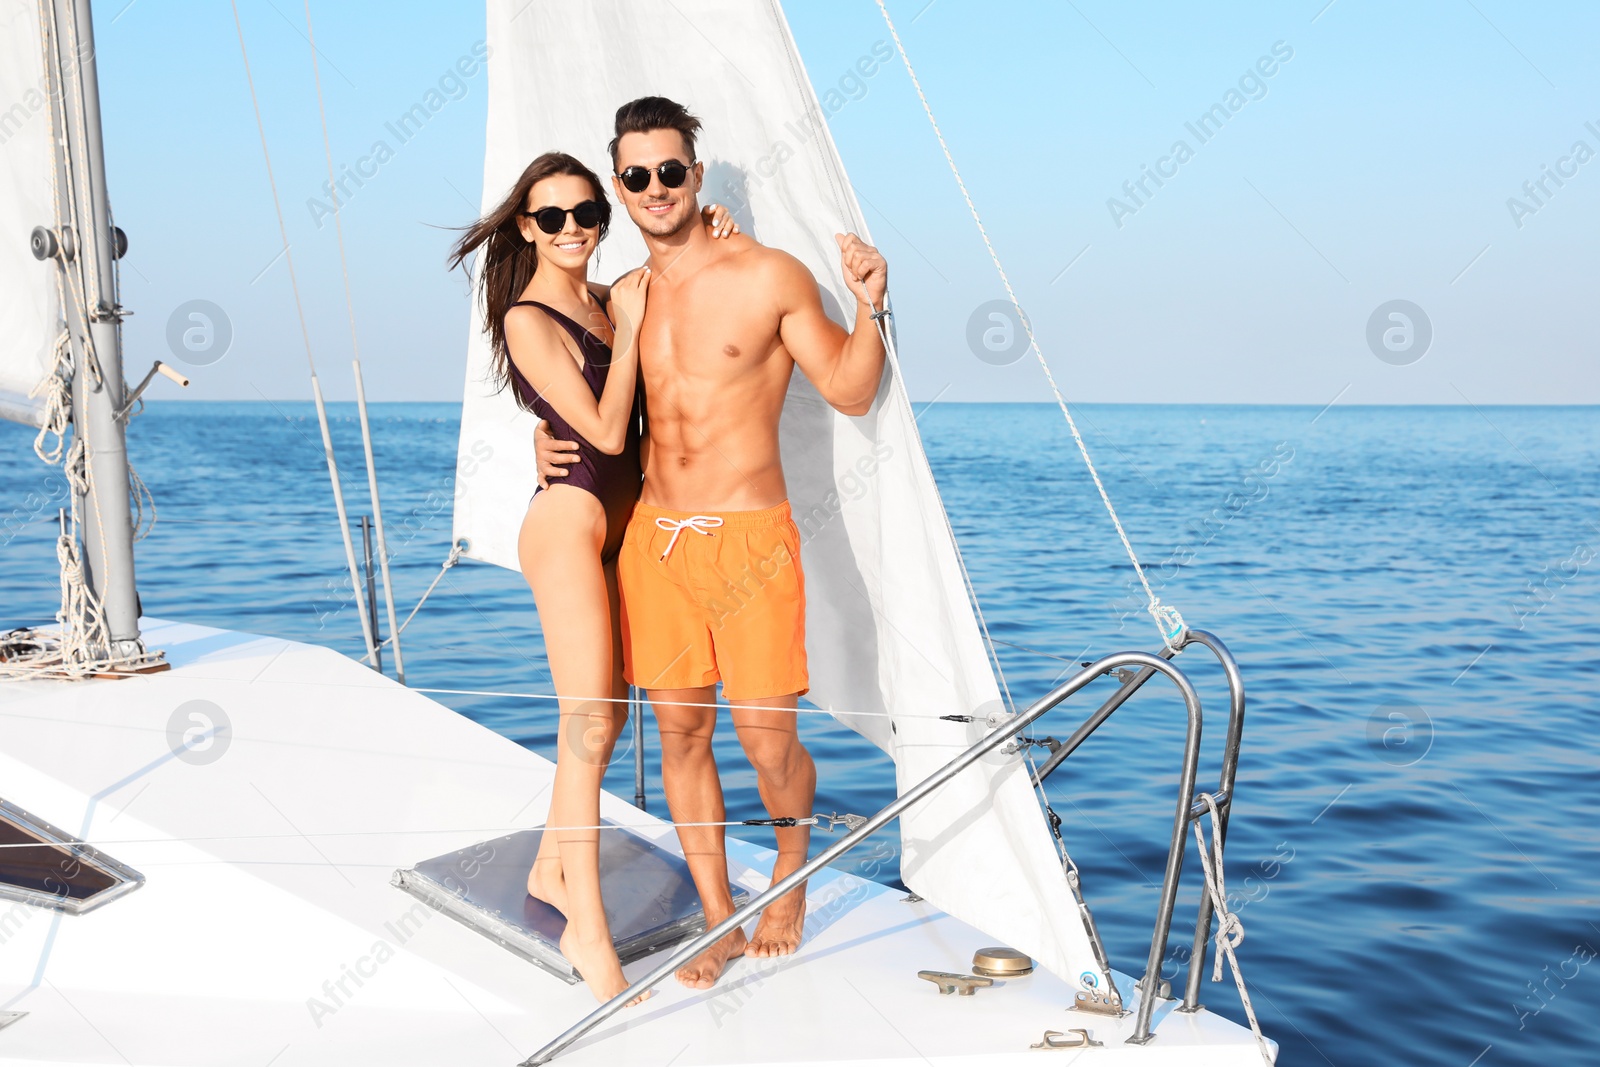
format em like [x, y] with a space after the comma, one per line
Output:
[654, 113]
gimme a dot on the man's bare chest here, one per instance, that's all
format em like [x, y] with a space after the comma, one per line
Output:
[707, 330]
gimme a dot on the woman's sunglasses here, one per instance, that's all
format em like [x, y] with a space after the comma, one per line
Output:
[637, 179]
[550, 219]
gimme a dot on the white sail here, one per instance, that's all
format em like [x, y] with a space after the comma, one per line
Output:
[890, 630]
[29, 319]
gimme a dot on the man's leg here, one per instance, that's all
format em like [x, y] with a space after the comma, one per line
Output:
[694, 795]
[787, 779]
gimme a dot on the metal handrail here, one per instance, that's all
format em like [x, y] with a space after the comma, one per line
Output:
[1225, 784]
[690, 949]
[1093, 722]
[1225, 789]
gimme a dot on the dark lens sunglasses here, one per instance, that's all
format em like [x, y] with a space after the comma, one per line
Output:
[551, 219]
[637, 179]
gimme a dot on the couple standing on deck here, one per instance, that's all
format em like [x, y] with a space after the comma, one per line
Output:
[669, 559]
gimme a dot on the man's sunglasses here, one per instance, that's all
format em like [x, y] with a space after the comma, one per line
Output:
[637, 179]
[550, 219]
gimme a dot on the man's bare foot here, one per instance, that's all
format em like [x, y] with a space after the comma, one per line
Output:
[781, 926]
[596, 961]
[703, 971]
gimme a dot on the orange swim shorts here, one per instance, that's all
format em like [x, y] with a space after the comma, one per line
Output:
[714, 596]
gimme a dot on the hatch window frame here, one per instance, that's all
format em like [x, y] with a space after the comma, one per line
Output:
[77, 853]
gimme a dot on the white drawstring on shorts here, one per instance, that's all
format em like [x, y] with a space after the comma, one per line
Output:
[700, 524]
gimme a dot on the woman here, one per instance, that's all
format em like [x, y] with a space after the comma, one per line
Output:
[569, 350]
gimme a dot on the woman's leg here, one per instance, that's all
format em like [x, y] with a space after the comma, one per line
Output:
[560, 555]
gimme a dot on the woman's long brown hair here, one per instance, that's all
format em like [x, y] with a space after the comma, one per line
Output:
[508, 260]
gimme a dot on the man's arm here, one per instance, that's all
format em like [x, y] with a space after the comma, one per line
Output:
[845, 367]
[552, 457]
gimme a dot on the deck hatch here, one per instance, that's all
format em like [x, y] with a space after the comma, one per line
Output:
[43, 865]
[650, 899]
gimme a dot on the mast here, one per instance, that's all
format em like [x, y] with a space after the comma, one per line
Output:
[94, 319]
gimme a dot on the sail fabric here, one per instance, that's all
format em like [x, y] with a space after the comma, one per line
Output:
[892, 638]
[29, 319]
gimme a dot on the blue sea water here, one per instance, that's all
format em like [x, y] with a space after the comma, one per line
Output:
[1409, 591]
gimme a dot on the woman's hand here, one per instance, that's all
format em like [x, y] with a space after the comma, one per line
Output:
[628, 298]
[552, 457]
[720, 219]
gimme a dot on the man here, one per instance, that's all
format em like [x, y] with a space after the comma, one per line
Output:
[710, 570]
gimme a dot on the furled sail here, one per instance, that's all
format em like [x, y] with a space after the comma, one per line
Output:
[29, 318]
[891, 633]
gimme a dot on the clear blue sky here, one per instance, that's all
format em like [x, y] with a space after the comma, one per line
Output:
[1374, 164]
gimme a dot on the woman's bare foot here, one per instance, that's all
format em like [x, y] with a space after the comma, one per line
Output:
[781, 926]
[546, 883]
[703, 971]
[596, 961]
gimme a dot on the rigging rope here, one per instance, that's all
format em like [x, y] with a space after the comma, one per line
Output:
[57, 389]
[283, 232]
[1230, 931]
[882, 319]
[395, 631]
[1167, 620]
[327, 151]
[305, 336]
[837, 184]
[355, 350]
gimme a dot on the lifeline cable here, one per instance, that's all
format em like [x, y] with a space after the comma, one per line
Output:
[830, 820]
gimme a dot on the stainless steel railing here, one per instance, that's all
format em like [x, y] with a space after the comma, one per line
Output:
[1225, 784]
[1149, 665]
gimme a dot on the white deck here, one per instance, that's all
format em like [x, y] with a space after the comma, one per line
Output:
[253, 912]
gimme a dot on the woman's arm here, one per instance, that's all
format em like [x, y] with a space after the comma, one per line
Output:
[539, 348]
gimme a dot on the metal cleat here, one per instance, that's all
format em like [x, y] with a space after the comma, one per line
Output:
[961, 984]
[1098, 1003]
[1056, 1039]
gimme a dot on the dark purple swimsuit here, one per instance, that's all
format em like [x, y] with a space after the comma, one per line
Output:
[614, 480]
